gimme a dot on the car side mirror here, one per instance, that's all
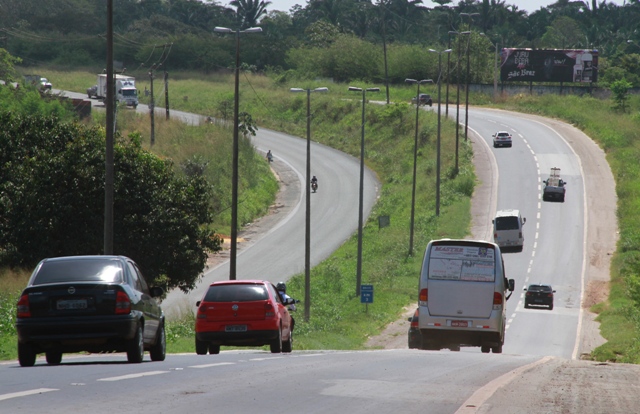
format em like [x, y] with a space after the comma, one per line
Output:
[524, 220]
[512, 285]
[198, 303]
[493, 222]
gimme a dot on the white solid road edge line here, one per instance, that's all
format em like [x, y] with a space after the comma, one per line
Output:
[25, 393]
[473, 403]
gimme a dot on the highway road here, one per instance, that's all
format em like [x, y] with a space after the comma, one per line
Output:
[561, 248]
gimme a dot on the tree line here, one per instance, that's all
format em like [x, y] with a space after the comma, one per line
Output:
[179, 34]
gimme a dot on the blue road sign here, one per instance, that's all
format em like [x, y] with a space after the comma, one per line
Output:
[366, 293]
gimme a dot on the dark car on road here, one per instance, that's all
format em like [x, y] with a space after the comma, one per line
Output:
[243, 313]
[89, 304]
[423, 98]
[539, 295]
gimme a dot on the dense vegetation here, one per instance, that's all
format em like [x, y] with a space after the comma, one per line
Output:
[386, 39]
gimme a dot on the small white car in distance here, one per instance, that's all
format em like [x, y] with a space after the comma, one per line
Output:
[501, 139]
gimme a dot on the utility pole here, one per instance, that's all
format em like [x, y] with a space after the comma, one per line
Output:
[152, 110]
[108, 163]
[166, 94]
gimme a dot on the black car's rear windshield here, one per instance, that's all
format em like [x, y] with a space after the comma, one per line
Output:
[507, 223]
[236, 293]
[539, 288]
[78, 270]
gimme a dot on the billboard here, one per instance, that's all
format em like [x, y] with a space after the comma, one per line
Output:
[548, 65]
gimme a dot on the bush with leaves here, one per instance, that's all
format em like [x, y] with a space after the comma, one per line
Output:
[620, 90]
[52, 201]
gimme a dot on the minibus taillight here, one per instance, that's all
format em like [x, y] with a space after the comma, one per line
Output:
[424, 295]
[497, 298]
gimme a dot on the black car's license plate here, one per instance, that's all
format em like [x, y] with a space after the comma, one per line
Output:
[71, 304]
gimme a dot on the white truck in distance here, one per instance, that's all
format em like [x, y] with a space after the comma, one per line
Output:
[125, 89]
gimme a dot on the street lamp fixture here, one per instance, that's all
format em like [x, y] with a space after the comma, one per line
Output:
[438, 151]
[307, 220]
[415, 160]
[361, 196]
[234, 176]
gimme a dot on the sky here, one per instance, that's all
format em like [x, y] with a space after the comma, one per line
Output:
[528, 5]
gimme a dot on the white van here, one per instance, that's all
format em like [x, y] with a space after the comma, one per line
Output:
[462, 295]
[507, 229]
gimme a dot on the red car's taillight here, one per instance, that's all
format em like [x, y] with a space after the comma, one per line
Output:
[123, 303]
[23, 307]
[269, 312]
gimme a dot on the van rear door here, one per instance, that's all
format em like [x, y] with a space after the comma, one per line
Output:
[458, 299]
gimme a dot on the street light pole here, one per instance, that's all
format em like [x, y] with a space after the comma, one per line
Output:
[361, 196]
[466, 116]
[415, 161]
[451, 32]
[458, 104]
[495, 68]
[307, 220]
[234, 174]
[439, 105]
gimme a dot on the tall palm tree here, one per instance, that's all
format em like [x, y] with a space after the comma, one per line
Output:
[249, 12]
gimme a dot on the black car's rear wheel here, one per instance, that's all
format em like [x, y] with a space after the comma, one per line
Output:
[158, 351]
[135, 348]
[54, 357]
[485, 349]
[26, 355]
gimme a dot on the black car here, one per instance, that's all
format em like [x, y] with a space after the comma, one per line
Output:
[424, 99]
[539, 295]
[89, 304]
[415, 337]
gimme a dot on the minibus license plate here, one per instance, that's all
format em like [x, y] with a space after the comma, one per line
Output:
[459, 324]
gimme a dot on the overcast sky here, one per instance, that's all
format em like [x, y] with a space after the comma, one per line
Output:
[528, 5]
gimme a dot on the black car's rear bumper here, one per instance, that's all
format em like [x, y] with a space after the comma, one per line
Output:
[75, 334]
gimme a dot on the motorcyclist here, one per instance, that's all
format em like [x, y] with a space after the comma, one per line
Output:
[269, 156]
[314, 182]
[281, 287]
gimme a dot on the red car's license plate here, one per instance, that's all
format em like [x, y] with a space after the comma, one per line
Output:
[460, 324]
[235, 328]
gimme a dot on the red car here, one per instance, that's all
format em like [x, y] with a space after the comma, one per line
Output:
[243, 313]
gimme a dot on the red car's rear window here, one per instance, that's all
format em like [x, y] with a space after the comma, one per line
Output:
[236, 293]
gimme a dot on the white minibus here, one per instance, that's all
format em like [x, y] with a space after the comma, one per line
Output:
[462, 296]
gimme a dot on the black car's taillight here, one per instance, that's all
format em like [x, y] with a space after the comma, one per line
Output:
[23, 307]
[123, 303]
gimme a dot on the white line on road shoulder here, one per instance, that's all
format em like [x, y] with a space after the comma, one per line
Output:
[131, 376]
[26, 393]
